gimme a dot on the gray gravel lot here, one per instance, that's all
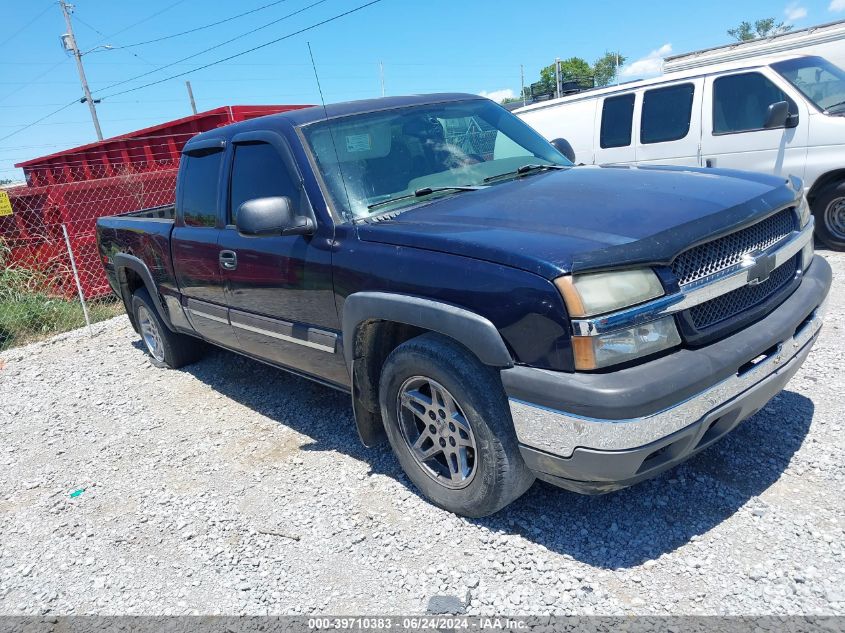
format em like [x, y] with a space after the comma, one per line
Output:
[230, 487]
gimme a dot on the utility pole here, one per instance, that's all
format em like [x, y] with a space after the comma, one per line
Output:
[191, 97]
[70, 43]
[381, 76]
[522, 83]
[558, 87]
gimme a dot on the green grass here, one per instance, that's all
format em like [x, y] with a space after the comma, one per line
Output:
[29, 311]
[32, 317]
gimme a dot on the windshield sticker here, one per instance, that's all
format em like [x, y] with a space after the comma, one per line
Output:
[359, 143]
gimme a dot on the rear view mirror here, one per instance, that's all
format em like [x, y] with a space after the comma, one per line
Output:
[563, 146]
[272, 216]
[777, 115]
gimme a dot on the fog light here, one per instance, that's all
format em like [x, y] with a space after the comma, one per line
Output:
[595, 352]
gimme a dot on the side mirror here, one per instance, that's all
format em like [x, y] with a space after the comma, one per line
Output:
[777, 115]
[271, 216]
[563, 146]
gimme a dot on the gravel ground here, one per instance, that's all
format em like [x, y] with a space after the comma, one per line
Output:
[230, 487]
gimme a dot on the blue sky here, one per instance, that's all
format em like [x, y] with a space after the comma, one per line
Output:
[425, 46]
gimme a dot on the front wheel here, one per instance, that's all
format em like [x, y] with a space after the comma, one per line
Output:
[448, 422]
[829, 211]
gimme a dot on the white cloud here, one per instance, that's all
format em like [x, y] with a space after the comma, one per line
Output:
[650, 65]
[498, 95]
[795, 11]
[836, 6]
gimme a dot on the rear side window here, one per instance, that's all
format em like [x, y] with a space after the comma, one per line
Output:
[666, 113]
[258, 171]
[200, 179]
[741, 102]
[617, 115]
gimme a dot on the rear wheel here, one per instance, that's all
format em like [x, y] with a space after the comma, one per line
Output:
[165, 347]
[829, 211]
[448, 422]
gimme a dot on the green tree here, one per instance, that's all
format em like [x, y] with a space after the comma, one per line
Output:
[571, 69]
[604, 70]
[765, 27]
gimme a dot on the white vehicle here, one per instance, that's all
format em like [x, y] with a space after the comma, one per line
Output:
[782, 114]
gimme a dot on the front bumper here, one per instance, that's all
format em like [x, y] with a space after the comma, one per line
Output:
[601, 432]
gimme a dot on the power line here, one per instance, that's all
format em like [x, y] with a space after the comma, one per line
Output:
[148, 18]
[211, 48]
[26, 26]
[29, 125]
[201, 28]
[250, 50]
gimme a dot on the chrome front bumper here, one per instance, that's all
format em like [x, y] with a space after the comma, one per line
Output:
[560, 433]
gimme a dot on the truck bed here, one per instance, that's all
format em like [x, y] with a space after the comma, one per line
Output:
[144, 234]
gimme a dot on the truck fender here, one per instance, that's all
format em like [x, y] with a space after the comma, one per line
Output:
[123, 261]
[471, 330]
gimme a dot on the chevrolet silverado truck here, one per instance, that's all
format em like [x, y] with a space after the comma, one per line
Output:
[496, 312]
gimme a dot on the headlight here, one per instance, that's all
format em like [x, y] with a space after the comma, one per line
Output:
[803, 212]
[595, 352]
[597, 293]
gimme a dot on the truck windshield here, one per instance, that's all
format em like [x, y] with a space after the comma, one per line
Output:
[377, 162]
[819, 80]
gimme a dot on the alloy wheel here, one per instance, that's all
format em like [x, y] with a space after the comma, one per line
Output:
[437, 432]
[150, 334]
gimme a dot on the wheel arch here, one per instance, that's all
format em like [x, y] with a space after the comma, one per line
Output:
[132, 272]
[375, 323]
[823, 182]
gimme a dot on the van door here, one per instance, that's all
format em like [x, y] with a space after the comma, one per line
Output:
[734, 133]
[670, 124]
[614, 130]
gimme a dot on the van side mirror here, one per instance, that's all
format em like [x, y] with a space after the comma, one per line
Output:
[271, 216]
[563, 146]
[777, 115]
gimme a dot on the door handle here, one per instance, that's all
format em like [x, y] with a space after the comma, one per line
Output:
[710, 162]
[228, 260]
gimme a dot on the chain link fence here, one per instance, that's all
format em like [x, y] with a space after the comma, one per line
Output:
[51, 275]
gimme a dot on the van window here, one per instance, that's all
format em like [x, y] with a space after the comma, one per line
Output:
[258, 171]
[666, 113]
[200, 179]
[741, 102]
[617, 115]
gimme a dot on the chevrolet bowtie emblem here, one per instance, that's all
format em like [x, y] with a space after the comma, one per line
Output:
[759, 267]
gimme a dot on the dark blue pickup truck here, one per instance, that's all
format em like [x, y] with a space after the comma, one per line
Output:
[497, 312]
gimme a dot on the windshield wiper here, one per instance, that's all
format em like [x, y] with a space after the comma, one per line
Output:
[525, 169]
[835, 105]
[424, 191]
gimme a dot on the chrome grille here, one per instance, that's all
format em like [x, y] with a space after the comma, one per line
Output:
[728, 305]
[722, 253]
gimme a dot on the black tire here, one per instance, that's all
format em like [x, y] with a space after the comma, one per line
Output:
[172, 350]
[829, 211]
[498, 474]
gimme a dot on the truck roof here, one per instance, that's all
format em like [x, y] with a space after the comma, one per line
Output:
[743, 64]
[313, 114]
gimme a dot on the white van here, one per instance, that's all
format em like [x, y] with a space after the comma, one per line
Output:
[783, 115]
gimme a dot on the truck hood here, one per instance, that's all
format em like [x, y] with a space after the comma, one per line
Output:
[588, 218]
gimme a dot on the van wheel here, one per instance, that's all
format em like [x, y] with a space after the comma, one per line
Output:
[829, 211]
[165, 347]
[449, 424]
